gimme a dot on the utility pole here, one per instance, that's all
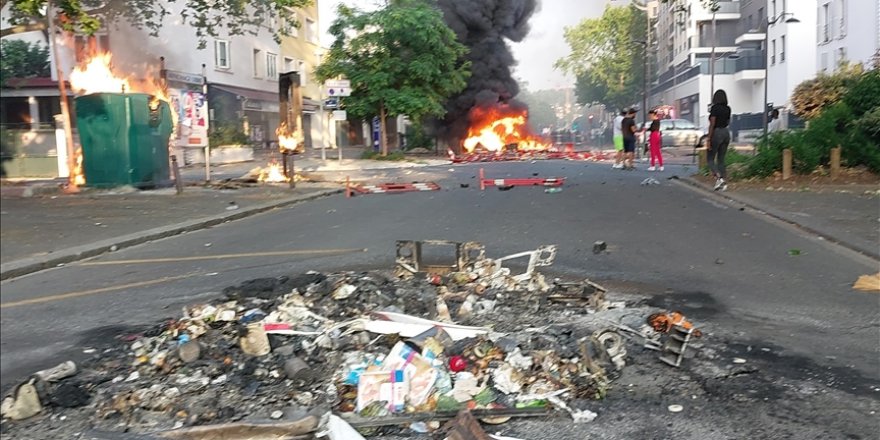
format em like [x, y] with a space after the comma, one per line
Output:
[65, 108]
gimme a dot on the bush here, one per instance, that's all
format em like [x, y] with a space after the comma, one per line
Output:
[227, 134]
[768, 158]
[417, 138]
[375, 155]
[864, 95]
[811, 97]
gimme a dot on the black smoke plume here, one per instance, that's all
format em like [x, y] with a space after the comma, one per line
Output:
[483, 26]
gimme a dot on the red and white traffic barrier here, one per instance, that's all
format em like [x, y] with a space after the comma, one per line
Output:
[532, 181]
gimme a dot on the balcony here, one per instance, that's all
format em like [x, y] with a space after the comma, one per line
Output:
[750, 66]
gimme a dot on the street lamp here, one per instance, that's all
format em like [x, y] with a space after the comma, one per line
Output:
[790, 19]
[643, 6]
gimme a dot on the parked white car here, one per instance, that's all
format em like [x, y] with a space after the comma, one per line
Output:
[676, 133]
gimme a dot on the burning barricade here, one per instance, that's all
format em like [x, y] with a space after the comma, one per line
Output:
[423, 343]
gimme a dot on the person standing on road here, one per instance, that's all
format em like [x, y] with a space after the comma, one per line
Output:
[628, 127]
[718, 138]
[655, 141]
[617, 137]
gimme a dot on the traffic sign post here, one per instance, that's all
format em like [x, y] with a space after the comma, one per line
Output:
[338, 87]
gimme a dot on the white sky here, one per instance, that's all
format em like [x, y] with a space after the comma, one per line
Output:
[536, 54]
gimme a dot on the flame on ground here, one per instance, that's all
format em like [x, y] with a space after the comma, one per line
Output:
[273, 172]
[495, 128]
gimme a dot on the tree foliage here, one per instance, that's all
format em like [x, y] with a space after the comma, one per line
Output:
[541, 102]
[401, 59]
[814, 95]
[21, 59]
[607, 57]
[207, 17]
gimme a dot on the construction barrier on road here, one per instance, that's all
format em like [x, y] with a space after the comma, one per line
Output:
[531, 181]
[389, 188]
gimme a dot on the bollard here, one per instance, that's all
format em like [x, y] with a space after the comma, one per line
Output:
[175, 168]
[347, 187]
[704, 161]
[786, 164]
[835, 162]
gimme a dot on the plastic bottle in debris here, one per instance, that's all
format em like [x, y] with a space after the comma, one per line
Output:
[553, 189]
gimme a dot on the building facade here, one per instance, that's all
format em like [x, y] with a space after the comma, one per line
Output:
[846, 31]
[791, 57]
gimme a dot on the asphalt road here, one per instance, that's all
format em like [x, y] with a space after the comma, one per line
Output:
[728, 269]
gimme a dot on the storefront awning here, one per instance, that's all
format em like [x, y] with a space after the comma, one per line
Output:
[260, 95]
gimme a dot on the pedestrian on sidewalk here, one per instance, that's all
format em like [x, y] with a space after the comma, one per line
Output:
[628, 127]
[655, 141]
[718, 138]
[617, 137]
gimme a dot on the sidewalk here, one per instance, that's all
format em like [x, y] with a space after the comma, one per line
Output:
[844, 214]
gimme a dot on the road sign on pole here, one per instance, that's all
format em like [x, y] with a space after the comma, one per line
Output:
[338, 87]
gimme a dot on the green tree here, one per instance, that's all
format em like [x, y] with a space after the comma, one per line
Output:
[207, 17]
[541, 102]
[401, 59]
[589, 91]
[606, 55]
[20, 59]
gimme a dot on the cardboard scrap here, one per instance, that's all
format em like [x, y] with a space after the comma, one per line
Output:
[868, 283]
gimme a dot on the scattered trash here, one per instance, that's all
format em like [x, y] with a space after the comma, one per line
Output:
[739, 361]
[599, 247]
[505, 187]
[794, 252]
[232, 206]
[666, 321]
[650, 181]
[465, 185]
[868, 283]
[553, 189]
[58, 372]
[675, 408]
[23, 403]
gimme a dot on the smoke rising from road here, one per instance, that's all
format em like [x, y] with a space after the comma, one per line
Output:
[483, 26]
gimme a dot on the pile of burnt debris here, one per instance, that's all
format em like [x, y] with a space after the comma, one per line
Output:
[350, 354]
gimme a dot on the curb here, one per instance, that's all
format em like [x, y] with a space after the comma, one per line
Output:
[781, 217]
[35, 264]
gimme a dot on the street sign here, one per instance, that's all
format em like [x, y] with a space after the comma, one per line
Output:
[338, 87]
[331, 103]
[339, 115]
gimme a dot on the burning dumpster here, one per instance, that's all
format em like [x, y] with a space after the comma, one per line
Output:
[124, 138]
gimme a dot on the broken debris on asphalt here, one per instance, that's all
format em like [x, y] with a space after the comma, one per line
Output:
[407, 349]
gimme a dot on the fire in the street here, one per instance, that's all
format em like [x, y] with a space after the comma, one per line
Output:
[273, 172]
[496, 128]
[79, 178]
[97, 75]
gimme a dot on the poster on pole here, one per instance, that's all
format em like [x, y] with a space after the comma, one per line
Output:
[190, 105]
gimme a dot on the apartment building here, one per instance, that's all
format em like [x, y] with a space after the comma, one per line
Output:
[846, 31]
[791, 54]
[687, 71]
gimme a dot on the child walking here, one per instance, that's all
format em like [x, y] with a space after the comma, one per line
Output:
[655, 141]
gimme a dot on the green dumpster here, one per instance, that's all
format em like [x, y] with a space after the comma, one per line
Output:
[124, 139]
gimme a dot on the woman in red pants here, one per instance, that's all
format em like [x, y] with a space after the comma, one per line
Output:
[655, 141]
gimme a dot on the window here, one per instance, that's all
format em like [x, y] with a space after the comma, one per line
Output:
[257, 60]
[842, 20]
[311, 30]
[761, 13]
[290, 20]
[221, 54]
[840, 57]
[826, 19]
[824, 58]
[782, 49]
[86, 46]
[301, 68]
[773, 54]
[271, 66]
[289, 64]
[773, 5]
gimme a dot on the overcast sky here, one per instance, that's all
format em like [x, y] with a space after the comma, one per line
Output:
[536, 54]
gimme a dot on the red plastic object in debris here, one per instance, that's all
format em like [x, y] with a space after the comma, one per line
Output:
[457, 364]
[531, 181]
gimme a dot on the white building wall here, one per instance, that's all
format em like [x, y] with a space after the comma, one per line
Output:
[853, 32]
[800, 58]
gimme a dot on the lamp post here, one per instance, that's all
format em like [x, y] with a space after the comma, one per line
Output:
[643, 6]
[770, 22]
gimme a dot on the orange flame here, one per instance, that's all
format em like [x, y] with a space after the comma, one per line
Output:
[289, 142]
[79, 178]
[496, 128]
[272, 173]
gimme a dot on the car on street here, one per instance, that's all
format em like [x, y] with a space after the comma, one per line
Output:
[676, 133]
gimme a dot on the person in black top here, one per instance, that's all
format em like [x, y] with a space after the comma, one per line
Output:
[718, 138]
[628, 127]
